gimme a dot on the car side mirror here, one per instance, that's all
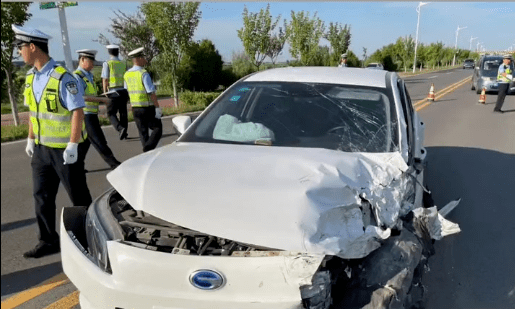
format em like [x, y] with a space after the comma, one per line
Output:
[181, 123]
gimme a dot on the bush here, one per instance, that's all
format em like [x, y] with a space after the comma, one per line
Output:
[190, 98]
[12, 132]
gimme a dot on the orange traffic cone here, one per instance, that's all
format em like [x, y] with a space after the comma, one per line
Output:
[482, 96]
[431, 96]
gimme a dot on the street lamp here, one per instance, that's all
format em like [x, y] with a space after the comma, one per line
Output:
[456, 44]
[416, 38]
[477, 46]
[471, 39]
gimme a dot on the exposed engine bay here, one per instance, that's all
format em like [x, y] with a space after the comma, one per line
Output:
[146, 231]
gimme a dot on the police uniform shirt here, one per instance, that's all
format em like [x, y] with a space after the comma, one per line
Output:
[70, 94]
[503, 70]
[147, 81]
[82, 83]
[105, 71]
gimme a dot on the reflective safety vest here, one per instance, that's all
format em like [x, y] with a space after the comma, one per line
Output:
[505, 79]
[91, 89]
[116, 70]
[51, 122]
[137, 92]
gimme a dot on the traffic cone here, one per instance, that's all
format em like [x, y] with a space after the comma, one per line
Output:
[431, 96]
[482, 96]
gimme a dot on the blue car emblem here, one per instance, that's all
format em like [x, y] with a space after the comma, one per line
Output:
[206, 279]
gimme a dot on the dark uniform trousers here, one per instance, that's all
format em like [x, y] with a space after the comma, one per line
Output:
[118, 105]
[48, 171]
[145, 118]
[97, 138]
[503, 89]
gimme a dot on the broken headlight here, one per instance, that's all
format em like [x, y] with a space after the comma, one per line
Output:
[101, 226]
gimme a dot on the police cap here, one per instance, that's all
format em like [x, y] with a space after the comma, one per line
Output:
[90, 53]
[28, 35]
[138, 52]
[112, 46]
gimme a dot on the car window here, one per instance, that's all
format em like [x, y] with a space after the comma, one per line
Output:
[337, 117]
[492, 64]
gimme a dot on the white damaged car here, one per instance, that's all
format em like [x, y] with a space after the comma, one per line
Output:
[286, 171]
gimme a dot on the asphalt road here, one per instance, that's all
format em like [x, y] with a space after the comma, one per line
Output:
[471, 153]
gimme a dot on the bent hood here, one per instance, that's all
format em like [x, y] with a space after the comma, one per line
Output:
[297, 199]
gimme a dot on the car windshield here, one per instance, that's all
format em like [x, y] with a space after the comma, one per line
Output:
[337, 117]
[491, 66]
[469, 61]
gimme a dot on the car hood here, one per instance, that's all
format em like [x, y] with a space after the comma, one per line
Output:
[297, 199]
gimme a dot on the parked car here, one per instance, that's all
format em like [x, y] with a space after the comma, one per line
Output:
[469, 64]
[261, 202]
[485, 75]
[377, 66]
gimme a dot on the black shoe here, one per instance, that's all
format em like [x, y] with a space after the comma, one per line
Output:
[123, 134]
[498, 111]
[42, 249]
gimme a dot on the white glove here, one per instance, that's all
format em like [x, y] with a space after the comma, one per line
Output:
[31, 143]
[509, 76]
[159, 113]
[70, 153]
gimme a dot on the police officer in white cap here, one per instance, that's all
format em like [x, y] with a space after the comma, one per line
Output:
[57, 138]
[86, 81]
[142, 94]
[343, 61]
[504, 78]
[112, 80]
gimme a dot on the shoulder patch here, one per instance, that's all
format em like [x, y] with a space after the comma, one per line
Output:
[72, 87]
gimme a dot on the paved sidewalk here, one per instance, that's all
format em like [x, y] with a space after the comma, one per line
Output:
[7, 119]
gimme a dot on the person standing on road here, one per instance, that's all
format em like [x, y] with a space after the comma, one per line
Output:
[142, 94]
[57, 140]
[112, 80]
[343, 61]
[504, 78]
[95, 133]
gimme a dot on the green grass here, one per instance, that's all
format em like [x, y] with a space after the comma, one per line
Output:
[12, 133]
[6, 108]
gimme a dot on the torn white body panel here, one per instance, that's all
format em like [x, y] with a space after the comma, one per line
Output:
[436, 224]
[294, 199]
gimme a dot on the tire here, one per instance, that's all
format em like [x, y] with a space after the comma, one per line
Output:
[473, 87]
[478, 91]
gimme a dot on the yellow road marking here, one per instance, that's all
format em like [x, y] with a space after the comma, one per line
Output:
[34, 292]
[442, 91]
[67, 302]
[455, 86]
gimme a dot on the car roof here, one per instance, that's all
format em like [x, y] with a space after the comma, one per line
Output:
[328, 75]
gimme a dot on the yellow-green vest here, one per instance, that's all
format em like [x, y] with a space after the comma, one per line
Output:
[116, 70]
[51, 122]
[504, 79]
[137, 92]
[91, 89]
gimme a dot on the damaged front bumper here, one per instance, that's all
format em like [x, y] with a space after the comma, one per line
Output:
[142, 278]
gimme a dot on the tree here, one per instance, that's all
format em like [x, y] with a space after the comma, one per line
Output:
[133, 32]
[339, 37]
[364, 56]
[304, 35]
[276, 44]
[405, 49]
[173, 24]
[255, 34]
[241, 64]
[12, 13]
[201, 67]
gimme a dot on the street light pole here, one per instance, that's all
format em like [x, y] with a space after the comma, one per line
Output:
[471, 39]
[416, 38]
[456, 44]
[66, 41]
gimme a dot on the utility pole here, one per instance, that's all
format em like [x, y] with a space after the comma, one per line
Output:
[64, 28]
[456, 45]
[471, 39]
[416, 37]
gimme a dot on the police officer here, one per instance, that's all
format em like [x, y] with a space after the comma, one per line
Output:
[343, 61]
[57, 139]
[142, 94]
[112, 80]
[85, 80]
[504, 77]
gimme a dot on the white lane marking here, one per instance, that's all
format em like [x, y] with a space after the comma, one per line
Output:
[449, 72]
[432, 76]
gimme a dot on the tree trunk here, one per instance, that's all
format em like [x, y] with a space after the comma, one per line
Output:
[12, 97]
[175, 96]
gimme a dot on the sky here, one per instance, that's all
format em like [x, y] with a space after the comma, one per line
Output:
[373, 24]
